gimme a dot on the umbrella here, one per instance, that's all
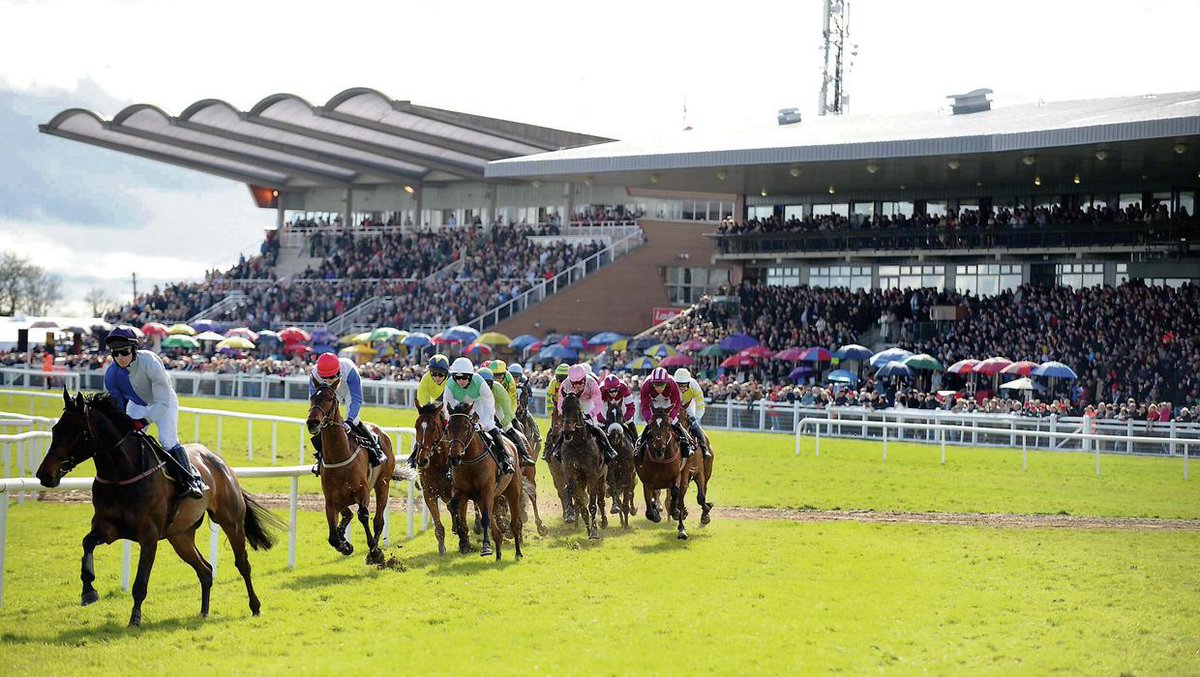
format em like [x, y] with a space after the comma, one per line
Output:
[660, 350]
[800, 373]
[244, 332]
[1022, 383]
[692, 345]
[574, 341]
[894, 368]
[816, 355]
[155, 329]
[853, 351]
[440, 339]
[522, 341]
[738, 361]
[842, 376]
[477, 350]
[385, 334]
[323, 348]
[535, 347]
[992, 366]
[321, 336]
[181, 328]
[642, 343]
[74, 330]
[757, 352]
[890, 355]
[923, 362]
[44, 324]
[711, 351]
[619, 344]
[790, 354]
[356, 349]
[462, 333]
[417, 339]
[294, 335]
[1055, 370]
[643, 363]
[605, 338]
[237, 343]
[558, 352]
[735, 342]
[209, 336]
[494, 338]
[1022, 368]
[268, 335]
[361, 337]
[962, 367]
[180, 341]
[207, 325]
[101, 326]
[673, 361]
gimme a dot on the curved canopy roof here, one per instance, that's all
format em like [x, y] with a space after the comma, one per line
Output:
[358, 137]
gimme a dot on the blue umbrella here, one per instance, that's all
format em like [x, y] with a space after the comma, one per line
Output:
[640, 344]
[605, 337]
[842, 376]
[268, 335]
[574, 342]
[207, 325]
[323, 337]
[523, 341]
[461, 333]
[417, 339]
[894, 368]
[323, 348]
[853, 351]
[557, 352]
[800, 373]
[737, 342]
[1055, 370]
[890, 355]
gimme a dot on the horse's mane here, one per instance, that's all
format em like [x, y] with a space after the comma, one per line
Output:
[109, 407]
[428, 409]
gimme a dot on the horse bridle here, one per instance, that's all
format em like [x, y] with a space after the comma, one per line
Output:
[88, 438]
[461, 458]
[326, 412]
[666, 440]
[426, 444]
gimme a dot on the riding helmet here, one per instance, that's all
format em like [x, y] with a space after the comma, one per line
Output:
[498, 367]
[683, 376]
[562, 370]
[328, 365]
[485, 374]
[438, 363]
[462, 366]
[121, 337]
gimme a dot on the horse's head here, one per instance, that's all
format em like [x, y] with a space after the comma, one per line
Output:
[459, 429]
[322, 409]
[431, 433]
[661, 436]
[572, 413]
[76, 434]
[522, 399]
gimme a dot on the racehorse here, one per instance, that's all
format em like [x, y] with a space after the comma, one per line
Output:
[346, 477]
[701, 471]
[134, 499]
[433, 467]
[528, 427]
[556, 466]
[622, 477]
[583, 467]
[475, 479]
[663, 468]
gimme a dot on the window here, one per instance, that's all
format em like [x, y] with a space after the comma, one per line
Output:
[896, 208]
[935, 208]
[685, 286]
[1122, 273]
[987, 279]
[912, 277]
[783, 277]
[851, 277]
[1080, 275]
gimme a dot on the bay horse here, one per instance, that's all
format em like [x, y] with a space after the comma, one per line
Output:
[134, 500]
[663, 467]
[556, 466]
[433, 468]
[346, 476]
[527, 426]
[583, 466]
[474, 473]
[622, 478]
[701, 471]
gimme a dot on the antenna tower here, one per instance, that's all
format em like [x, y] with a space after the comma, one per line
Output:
[836, 32]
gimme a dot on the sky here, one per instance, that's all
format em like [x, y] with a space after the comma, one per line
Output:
[620, 69]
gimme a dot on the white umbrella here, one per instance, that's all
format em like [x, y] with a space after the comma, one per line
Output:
[1022, 383]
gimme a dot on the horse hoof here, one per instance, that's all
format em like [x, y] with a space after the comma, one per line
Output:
[569, 519]
[486, 551]
[594, 536]
[653, 517]
[614, 510]
[90, 597]
[375, 556]
[135, 620]
[705, 518]
[542, 530]
[441, 550]
[683, 535]
[256, 612]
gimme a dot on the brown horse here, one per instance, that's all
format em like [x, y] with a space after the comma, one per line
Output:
[526, 423]
[583, 467]
[663, 467]
[134, 499]
[700, 471]
[556, 466]
[346, 477]
[433, 466]
[475, 479]
[622, 478]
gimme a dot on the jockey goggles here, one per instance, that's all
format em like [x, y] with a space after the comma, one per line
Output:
[326, 381]
[123, 351]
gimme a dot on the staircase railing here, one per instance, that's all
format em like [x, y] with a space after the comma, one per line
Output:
[231, 299]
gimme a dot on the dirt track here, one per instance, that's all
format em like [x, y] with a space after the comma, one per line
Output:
[551, 513]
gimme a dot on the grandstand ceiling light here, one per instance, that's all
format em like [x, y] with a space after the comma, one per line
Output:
[903, 187]
[1037, 180]
[1029, 160]
[831, 190]
[274, 193]
[978, 184]
[537, 184]
[1076, 179]
[794, 171]
[952, 164]
[721, 175]
[872, 167]
[1102, 155]
[654, 178]
[587, 180]
[410, 190]
[763, 192]
[1180, 148]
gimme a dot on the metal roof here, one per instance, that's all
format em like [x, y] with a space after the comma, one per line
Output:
[879, 137]
[359, 137]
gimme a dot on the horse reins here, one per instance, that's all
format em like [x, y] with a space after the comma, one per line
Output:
[325, 423]
[465, 445]
[87, 434]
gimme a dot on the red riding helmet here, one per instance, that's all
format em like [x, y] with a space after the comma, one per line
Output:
[328, 365]
[611, 382]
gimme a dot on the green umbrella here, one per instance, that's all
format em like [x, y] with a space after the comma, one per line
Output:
[923, 362]
[385, 334]
[712, 351]
[180, 341]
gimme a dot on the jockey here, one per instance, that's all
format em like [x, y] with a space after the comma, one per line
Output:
[430, 389]
[660, 392]
[612, 389]
[560, 375]
[522, 381]
[579, 382]
[465, 386]
[341, 375]
[505, 413]
[505, 379]
[692, 400]
[141, 386]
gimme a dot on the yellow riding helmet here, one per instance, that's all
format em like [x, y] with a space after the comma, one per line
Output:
[498, 367]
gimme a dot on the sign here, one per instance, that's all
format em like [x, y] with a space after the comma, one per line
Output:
[664, 314]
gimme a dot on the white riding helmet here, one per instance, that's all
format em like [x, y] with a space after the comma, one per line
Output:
[462, 366]
[682, 376]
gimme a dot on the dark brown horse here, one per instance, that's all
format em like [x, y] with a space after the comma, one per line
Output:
[556, 466]
[134, 500]
[433, 466]
[346, 476]
[583, 467]
[526, 423]
[663, 467]
[622, 478]
[699, 472]
[475, 479]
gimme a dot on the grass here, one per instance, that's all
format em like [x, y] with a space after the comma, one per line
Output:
[760, 470]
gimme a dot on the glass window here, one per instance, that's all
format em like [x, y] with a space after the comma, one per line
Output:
[935, 208]
[1187, 201]
[895, 208]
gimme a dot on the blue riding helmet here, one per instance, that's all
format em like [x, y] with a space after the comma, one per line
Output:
[121, 337]
[516, 369]
[440, 363]
[486, 374]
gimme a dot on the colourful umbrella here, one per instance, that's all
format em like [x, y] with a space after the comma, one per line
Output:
[605, 338]
[155, 329]
[816, 355]
[236, 343]
[207, 325]
[1022, 368]
[440, 339]
[323, 337]
[181, 328]
[296, 349]
[660, 350]
[992, 366]
[923, 362]
[673, 361]
[478, 351]
[962, 367]
[894, 368]
[1055, 370]
[620, 344]
[757, 352]
[735, 342]
[266, 335]
[558, 352]
[890, 355]
[356, 349]
[244, 332]
[294, 335]
[180, 341]
[692, 345]
[853, 351]
[417, 339]
[643, 363]
[523, 341]
[800, 373]
[385, 334]
[535, 347]
[791, 354]
[209, 336]
[711, 351]
[842, 376]
[574, 341]
[494, 338]
[462, 333]
[738, 361]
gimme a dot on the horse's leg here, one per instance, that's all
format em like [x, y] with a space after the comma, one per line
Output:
[374, 554]
[595, 502]
[235, 531]
[678, 493]
[382, 494]
[484, 506]
[185, 546]
[87, 571]
[335, 531]
[516, 527]
[601, 489]
[648, 496]
[458, 506]
[529, 491]
[431, 502]
[148, 544]
[702, 498]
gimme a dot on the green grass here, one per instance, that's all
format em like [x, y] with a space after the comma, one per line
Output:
[740, 597]
[760, 470]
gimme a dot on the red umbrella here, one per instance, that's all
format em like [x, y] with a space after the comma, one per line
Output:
[962, 367]
[756, 352]
[296, 349]
[992, 366]
[738, 361]
[478, 350]
[790, 354]
[294, 335]
[692, 345]
[816, 355]
[672, 361]
[535, 347]
[154, 329]
[439, 340]
[1022, 368]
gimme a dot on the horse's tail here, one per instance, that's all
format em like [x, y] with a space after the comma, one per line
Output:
[403, 473]
[261, 524]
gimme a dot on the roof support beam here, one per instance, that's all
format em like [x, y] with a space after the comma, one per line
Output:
[482, 152]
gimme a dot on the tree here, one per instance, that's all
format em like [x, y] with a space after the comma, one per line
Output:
[99, 300]
[26, 286]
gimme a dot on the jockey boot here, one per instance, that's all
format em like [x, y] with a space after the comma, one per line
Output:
[606, 449]
[631, 432]
[698, 436]
[639, 449]
[522, 452]
[374, 452]
[316, 442]
[190, 483]
[685, 443]
[500, 453]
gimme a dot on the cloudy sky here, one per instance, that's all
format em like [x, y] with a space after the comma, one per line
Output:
[617, 68]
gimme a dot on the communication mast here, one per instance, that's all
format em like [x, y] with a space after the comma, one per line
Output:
[836, 31]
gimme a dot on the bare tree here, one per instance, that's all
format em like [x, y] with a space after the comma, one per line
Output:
[99, 300]
[42, 291]
[26, 286]
[13, 270]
